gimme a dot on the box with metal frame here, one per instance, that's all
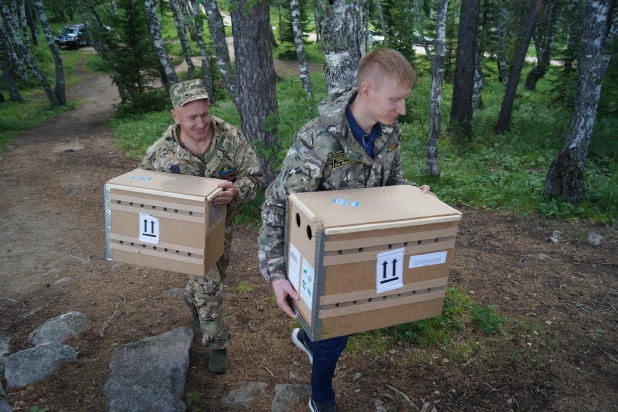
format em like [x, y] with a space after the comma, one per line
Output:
[364, 259]
[164, 221]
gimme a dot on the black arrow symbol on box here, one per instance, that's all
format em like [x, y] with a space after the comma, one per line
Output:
[394, 268]
[384, 265]
[145, 225]
[152, 226]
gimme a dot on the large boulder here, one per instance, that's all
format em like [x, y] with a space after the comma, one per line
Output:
[60, 328]
[35, 364]
[4, 346]
[4, 402]
[245, 394]
[150, 375]
[287, 395]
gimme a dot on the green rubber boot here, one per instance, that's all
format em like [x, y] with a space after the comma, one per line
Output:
[218, 361]
[194, 316]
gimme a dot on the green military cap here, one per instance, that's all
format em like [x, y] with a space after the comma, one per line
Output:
[188, 91]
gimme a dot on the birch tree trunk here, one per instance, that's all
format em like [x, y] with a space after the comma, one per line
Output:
[31, 23]
[300, 54]
[15, 61]
[154, 25]
[12, 25]
[504, 120]
[544, 43]
[182, 36]
[280, 22]
[437, 77]
[199, 34]
[59, 89]
[479, 81]
[24, 21]
[463, 85]
[222, 52]
[14, 94]
[381, 17]
[340, 30]
[256, 80]
[114, 7]
[503, 69]
[566, 173]
[185, 8]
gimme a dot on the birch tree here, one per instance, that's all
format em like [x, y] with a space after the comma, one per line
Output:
[256, 80]
[340, 31]
[437, 77]
[300, 54]
[181, 29]
[31, 23]
[199, 34]
[504, 120]
[13, 27]
[222, 52]
[14, 94]
[59, 88]
[463, 85]
[543, 42]
[154, 25]
[381, 17]
[566, 173]
[503, 69]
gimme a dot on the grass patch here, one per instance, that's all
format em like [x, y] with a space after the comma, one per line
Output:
[287, 51]
[244, 287]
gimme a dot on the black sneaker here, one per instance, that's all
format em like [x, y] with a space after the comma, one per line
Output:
[321, 407]
[299, 338]
[194, 315]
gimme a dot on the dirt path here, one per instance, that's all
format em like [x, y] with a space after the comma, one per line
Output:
[52, 227]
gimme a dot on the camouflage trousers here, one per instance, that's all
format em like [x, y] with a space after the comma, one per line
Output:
[206, 293]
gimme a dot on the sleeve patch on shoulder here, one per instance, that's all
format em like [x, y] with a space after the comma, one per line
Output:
[339, 159]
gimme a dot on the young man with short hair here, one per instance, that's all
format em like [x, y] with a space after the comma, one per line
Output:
[354, 143]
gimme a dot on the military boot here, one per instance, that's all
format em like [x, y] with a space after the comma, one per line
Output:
[194, 315]
[218, 361]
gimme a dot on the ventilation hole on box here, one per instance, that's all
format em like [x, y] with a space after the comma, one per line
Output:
[175, 210]
[436, 240]
[121, 242]
[165, 209]
[354, 302]
[369, 300]
[419, 242]
[154, 207]
[154, 248]
[390, 246]
[141, 205]
[309, 232]
[143, 245]
[191, 213]
[177, 252]
[119, 201]
[405, 244]
[297, 219]
[428, 289]
[340, 252]
[189, 254]
[414, 292]
[165, 249]
[399, 295]
[360, 249]
[132, 244]
[131, 203]
[336, 305]
[384, 297]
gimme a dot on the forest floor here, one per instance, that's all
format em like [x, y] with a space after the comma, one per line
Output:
[561, 357]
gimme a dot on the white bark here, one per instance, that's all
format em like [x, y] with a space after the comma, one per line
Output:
[300, 54]
[154, 25]
[381, 17]
[14, 94]
[200, 41]
[502, 66]
[24, 22]
[340, 31]
[60, 84]
[181, 29]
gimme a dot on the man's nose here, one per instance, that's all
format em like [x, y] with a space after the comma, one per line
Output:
[401, 108]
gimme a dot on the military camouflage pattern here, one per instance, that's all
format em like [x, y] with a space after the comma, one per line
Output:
[325, 156]
[185, 92]
[206, 293]
[229, 157]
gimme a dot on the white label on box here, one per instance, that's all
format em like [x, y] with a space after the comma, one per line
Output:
[306, 283]
[389, 270]
[427, 259]
[148, 228]
[294, 267]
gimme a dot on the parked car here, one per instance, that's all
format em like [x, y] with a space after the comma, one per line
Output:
[73, 35]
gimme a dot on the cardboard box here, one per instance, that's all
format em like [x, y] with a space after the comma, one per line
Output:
[164, 221]
[365, 259]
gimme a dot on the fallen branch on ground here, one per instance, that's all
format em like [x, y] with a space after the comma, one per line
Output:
[398, 392]
[108, 321]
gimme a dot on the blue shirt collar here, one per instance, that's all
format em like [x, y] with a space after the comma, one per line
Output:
[367, 142]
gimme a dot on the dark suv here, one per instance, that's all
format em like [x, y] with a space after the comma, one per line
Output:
[73, 35]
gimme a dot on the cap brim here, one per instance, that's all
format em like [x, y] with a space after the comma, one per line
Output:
[196, 97]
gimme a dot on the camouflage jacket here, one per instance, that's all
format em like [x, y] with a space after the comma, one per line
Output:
[229, 157]
[325, 156]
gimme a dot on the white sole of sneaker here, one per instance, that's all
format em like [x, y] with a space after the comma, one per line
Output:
[311, 406]
[300, 345]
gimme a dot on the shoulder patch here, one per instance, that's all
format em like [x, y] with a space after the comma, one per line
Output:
[339, 159]
[393, 147]
[227, 172]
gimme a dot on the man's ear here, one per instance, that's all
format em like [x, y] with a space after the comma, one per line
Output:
[175, 114]
[365, 89]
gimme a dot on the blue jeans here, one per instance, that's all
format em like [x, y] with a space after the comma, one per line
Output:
[325, 356]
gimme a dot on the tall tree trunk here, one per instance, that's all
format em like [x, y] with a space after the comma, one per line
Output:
[300, 54]
[381, 17]
[504, 120]
[280, 21]
[24, 21]
[204, 52]
[543, 42]
[256, 80]
[26, 55]
[437, 77]
[14, 94]
[59, 88]
[575, 29]
[340, 28]
[154, 25]
[222, 52]
[31, 23]
[114, 7]
[503, 69]
[463, 84]
[13, 60]
[185, 8]
[449, 50]
[566, 173]
[182, 36]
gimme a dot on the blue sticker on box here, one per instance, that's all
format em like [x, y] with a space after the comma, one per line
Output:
[343, 202]
[141, 178]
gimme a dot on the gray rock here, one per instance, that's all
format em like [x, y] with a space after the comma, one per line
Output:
[380, 406]
[174, 292]
[4, 346]
[60, 328]
[4, 401]
[555, 236]
[34, 364]
[64, 279]
[245, 395]
[287, 395]
[594, 239]
[357, 376]
[150, 375]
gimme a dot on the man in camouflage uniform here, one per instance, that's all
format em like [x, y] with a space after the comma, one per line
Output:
[354, 143]
[203, 145]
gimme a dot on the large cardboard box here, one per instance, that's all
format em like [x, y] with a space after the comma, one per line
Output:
[365, 259]
[164, 221]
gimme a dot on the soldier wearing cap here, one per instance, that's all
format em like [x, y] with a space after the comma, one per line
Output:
[200, 144]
